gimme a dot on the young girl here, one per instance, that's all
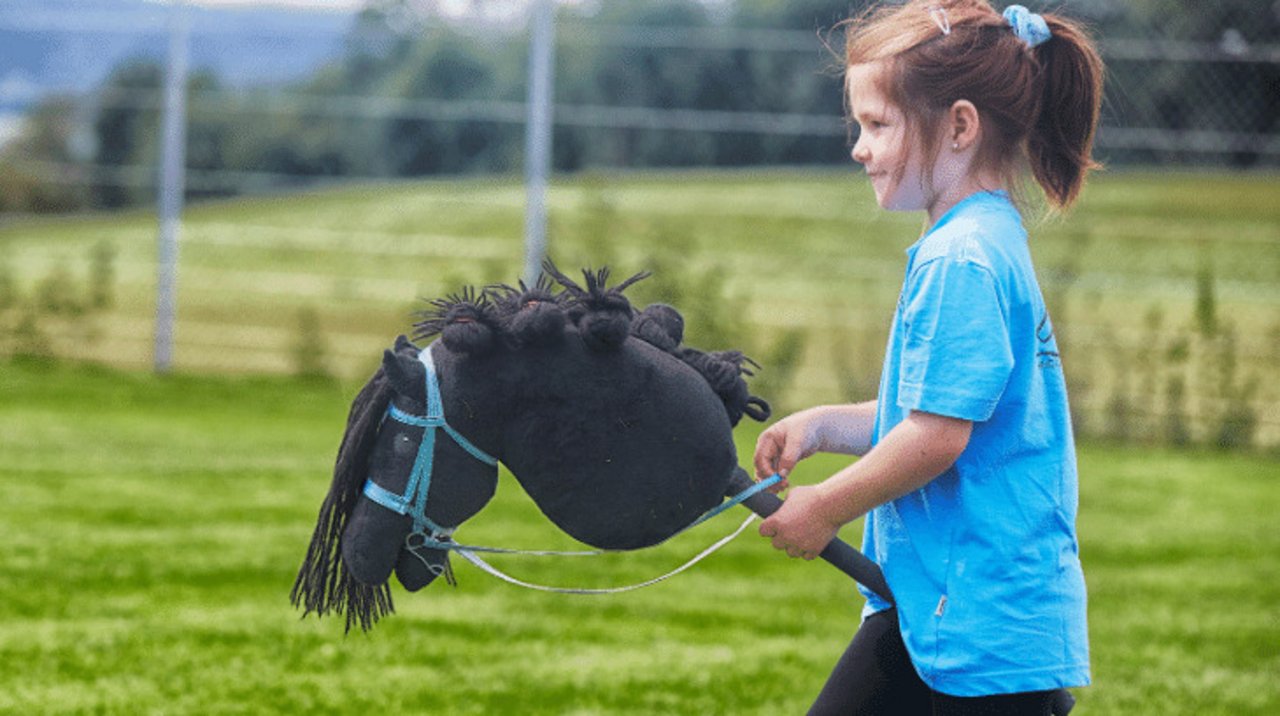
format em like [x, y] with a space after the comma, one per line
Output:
[968, 474]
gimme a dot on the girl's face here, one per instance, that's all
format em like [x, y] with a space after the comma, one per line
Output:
[884, 148]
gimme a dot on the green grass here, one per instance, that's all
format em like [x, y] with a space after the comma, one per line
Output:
[790, 248]
[152, 528]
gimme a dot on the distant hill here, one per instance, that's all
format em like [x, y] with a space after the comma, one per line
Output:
[49, 46]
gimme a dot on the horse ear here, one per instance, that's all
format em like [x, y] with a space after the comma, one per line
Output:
[402, 342]
[399, 370]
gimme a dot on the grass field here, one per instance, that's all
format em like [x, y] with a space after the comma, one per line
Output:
[749, 255]
[153, 527]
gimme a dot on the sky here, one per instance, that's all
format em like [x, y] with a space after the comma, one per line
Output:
[342, 5]
[498, 7]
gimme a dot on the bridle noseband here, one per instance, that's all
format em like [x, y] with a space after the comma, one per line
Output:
[413, 502]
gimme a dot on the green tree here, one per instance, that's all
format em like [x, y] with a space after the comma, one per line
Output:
[446, 66]
[37, 169]
[126, 128]
[209, 133]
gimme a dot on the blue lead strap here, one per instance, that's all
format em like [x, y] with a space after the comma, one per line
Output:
[738, 499]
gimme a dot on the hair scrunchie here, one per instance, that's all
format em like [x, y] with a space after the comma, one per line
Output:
[1027, 26]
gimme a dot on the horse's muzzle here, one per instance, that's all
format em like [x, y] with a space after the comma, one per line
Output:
[420, 566]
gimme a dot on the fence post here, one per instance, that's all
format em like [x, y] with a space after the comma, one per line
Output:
[172, 184]
[537, 146]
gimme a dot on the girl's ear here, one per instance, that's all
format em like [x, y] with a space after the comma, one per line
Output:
[964, 125]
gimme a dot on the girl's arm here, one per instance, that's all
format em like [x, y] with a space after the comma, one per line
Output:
[842, 429]
[917, 450]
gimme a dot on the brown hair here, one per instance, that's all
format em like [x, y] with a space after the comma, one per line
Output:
[1039, 104]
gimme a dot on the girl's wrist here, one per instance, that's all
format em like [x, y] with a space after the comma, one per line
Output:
[835, 429]
[835, 506]
[826, 423]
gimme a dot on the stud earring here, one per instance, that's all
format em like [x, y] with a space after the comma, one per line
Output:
[955, 146]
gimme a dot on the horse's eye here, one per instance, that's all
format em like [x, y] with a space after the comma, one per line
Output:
[403, 445]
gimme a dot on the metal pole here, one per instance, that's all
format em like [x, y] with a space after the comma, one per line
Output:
[172, 183]
[537, 145]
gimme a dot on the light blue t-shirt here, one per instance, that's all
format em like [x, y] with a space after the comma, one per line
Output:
[983, 561]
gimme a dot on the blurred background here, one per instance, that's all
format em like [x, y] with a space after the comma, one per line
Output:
[337, 162]
[216, 214]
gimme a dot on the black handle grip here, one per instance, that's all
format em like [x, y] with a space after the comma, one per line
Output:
[838, 553]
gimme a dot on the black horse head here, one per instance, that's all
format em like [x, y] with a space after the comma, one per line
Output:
[620, 435]
[359, 542]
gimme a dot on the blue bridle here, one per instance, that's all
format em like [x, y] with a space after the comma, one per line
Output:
[413, 502]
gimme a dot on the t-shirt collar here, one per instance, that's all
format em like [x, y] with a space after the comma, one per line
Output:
[997, 197]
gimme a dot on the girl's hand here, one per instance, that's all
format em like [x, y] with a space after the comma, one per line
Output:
[802, 527]
[784, 444]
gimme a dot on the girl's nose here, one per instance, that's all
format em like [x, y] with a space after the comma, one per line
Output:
[860, 152]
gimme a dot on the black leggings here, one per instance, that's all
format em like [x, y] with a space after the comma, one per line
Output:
[875, 677]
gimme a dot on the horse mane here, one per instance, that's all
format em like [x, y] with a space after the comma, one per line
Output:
[476, 322]
[466, 321]
[602, 313]
[323, 584]
[529, 315]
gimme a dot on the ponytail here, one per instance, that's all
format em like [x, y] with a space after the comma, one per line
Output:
[1060, 143]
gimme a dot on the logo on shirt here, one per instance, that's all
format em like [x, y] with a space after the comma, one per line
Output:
[1047, 350]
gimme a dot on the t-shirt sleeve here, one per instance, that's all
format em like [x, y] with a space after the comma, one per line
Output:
[956, 357]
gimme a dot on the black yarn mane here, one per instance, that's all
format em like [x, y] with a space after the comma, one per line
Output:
[602, 314]
[510, 299]
[476, 322]
[323, 584]
[465, 306]
[596, 295]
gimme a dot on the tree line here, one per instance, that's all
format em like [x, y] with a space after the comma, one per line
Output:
[401, 49]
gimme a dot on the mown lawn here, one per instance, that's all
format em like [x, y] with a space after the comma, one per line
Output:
[748, 256]
[153, 527]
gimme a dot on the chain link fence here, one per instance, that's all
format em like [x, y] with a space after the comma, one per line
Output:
[1188, 85]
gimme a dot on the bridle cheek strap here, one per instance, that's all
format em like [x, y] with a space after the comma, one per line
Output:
[413, 502]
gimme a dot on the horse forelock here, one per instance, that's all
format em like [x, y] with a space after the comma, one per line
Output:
[323, 583]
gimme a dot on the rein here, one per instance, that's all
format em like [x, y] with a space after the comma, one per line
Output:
[426, 533]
